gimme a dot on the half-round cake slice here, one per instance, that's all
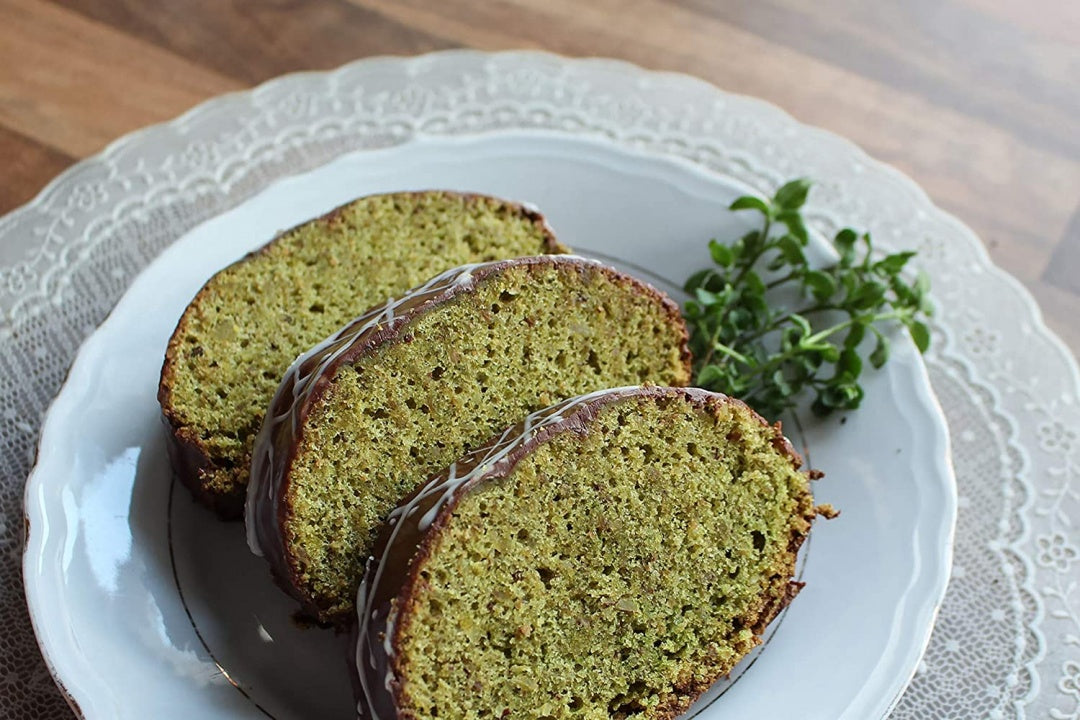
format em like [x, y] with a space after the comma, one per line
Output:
[251, 320]
[610, 556]
[371, 413]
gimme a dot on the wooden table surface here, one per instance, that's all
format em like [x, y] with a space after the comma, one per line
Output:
[978, 100]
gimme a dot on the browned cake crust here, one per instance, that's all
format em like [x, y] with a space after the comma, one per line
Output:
[266, 512]
[386, 596]
[191, 460]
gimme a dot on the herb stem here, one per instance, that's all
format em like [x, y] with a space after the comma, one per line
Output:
[730, 352]
[713, 342]
[779, 322]
[829, 332]
[749, 264]
[780, 281]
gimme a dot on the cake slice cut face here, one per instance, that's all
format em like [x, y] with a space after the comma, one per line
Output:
[366, 417]
[251, 320]
[611, 556]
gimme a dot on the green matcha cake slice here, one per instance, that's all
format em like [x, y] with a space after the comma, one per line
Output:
[609, 557]
[404, 390]
[251, 320]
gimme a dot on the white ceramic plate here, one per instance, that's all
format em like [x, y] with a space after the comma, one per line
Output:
[146, 606]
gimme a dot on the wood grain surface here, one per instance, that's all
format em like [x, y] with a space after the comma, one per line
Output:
[978, 100]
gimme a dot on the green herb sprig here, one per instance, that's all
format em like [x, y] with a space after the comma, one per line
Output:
[750, 343]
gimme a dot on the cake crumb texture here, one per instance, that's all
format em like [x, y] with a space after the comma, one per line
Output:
[611, 574]
[520, 341]
[250, 321]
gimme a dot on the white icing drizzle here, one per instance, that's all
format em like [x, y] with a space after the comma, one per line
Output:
[445, 486]
[297, 381]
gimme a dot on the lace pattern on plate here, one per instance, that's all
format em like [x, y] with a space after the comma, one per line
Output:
[1007, 641]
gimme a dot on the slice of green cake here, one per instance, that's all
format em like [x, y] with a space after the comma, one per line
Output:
[609, 557]
[251, 320]
[403, 391]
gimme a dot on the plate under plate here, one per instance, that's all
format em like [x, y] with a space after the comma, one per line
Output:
[146, 606]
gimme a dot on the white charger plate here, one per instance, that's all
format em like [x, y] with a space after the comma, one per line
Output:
[146, 606]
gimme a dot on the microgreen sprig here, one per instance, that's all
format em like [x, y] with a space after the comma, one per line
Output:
[767, 327]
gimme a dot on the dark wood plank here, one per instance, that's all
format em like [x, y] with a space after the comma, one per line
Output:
[76, 84]
[949, 52]
[975, 99]
[972, 167]
[28, 167]
[254, 40]
[1014, 180]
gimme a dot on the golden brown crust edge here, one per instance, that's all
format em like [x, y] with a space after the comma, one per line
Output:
[191, 460]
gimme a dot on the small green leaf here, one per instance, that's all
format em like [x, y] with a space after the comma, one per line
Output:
[920, 334]
[721, 254]
[855, 335]
[698, 279]
[719, 284]
[740, 319]
[789, 338]
[821, 284]
[706, 297]
[754, 283]
[758, 308]
[849, 396]
[880, 355]
[922, 284]
[921, 292]
[792, 195]
[759, 355]
[794, 222]
[791, 250]
[905, 296]
[751, 246]
[781, 384]
[810, 362]
[846, 395]
[710, 377]
[850, 364]
[892, 264]
[846, 238]
[802, 324]
[738, 249]
[829, 352]
[867, 296]
[751, 202]
[845, 244]
[849, 280]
